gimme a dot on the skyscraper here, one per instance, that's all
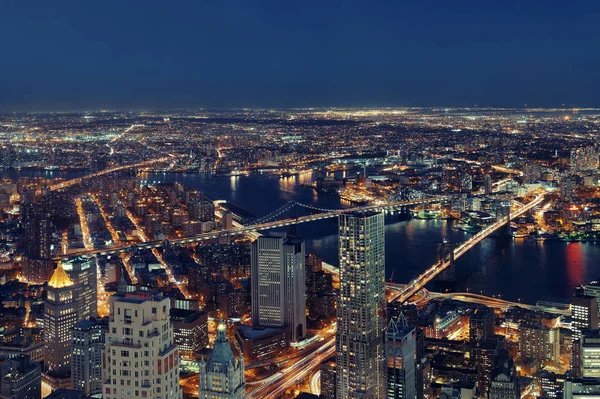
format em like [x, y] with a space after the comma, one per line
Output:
[140, 356]
[590, 354]
[83, 273]
[361, 306]
[278, 287]
[20, 379]
[400, 352]
[60, 315]
[504, 383]
[87, 338]
[481, 324]
[487, 181]
[584, 312]
[222, 377]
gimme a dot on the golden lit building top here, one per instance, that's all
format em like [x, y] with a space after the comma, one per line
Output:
[60, 278]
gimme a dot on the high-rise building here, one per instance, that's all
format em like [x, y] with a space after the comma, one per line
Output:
[190, 328]
[328, 379]
[481, 324]
[278, 286]
[140, 356]
[504, 383]
[20, 379]
[400, 352]
[584, 158]
[567, 187]
[222, 376]
[86, 360]
[538, 342]
[60, 315]
[531, 173]
[361, 306]
[551, 385]
[584, 312]
[590, 354]
[588, 388]
[37, 232]
[83, 273]
[487, 181]
[485, 355]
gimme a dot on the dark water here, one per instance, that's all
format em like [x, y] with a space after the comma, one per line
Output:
[516, 269]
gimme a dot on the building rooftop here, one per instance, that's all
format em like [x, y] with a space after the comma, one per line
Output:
[60, 279]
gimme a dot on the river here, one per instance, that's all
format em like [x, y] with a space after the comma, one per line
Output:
[517, 269]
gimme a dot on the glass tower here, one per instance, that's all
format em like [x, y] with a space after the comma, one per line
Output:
[361, 307]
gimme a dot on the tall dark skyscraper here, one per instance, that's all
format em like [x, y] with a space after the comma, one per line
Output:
[83, 273]
[361, 307]
[278, 286]
[35, 243]
[60, 315]
[400, 353]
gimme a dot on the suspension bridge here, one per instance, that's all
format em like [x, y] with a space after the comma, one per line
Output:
[266, 222]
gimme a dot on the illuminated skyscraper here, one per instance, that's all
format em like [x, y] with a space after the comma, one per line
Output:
[361, 307]
[222, 377]
[83, 273]
[60, 315]
[278, 286]
[400, 352]
[140, 356]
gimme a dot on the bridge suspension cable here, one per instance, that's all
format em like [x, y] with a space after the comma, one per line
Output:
[288, 206]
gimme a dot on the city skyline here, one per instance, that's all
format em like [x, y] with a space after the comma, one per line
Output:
[300, 199]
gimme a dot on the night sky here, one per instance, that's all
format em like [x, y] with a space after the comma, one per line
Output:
[152, 54]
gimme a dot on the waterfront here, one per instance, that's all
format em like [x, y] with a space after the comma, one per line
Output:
[518, 269]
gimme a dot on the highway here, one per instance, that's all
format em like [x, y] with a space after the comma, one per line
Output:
[276, 385]
[248, 229]
[418, 283]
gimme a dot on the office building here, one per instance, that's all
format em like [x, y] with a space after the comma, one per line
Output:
[485, 354]
[481, 324]
[361, 305]
[328, 379]
[567, 187]
[584, 312]
[87, 339]
[141, 358]
[60, 315]
[83, 273]
[582, 388]
[222, 376]
[487, 182]
[538, 342]
[20, 379]
[400, 353]
[551, 385]
[504, 383]
[278, 286]
[590, 353]
[190, 329]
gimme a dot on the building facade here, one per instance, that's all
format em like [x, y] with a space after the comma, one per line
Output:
[86, 361]
[222, 377]
[278, 285]
[83, 273]
[361, 304]
[60, 315]
[20, 379]
[400, 352]
[140, 356]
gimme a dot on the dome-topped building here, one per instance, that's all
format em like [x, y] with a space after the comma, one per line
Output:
[222, 376]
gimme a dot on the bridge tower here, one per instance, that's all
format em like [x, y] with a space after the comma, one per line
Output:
[446, 280]
[504, 212]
